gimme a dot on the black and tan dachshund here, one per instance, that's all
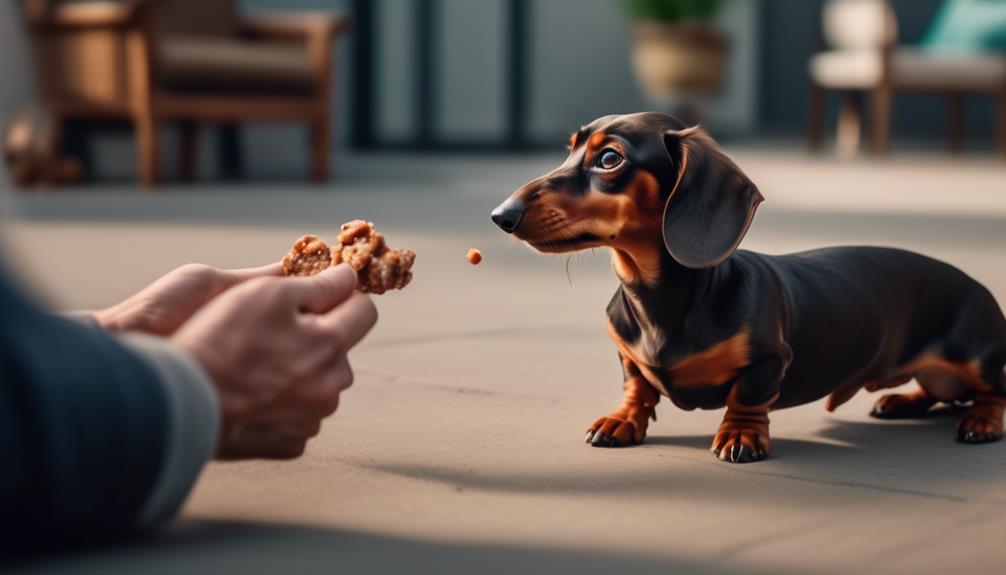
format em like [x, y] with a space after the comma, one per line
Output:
[708, 325]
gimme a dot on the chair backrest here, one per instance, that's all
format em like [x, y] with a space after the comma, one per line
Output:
[85, 65]
[214, 18]
[859, 24]
[173, 17]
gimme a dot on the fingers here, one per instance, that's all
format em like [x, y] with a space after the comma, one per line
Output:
[240, 275]
[320, 293]
[298, 428]
[349, 322]
[318, 398]
[264, 440]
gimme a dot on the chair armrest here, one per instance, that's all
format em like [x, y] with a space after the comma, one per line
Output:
[295, 26]
[85, 15]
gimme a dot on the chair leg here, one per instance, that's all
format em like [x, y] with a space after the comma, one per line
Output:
[147, 149]
[73, 142]
[188, 158]
[229, 151]
[955, 122]
[815, 117]
[850, 125]
[881, 118]
[320, 149]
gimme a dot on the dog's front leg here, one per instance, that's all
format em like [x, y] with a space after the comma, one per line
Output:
[627, 424]
[743, 435]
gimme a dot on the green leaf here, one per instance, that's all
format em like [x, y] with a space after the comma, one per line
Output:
[672, 11]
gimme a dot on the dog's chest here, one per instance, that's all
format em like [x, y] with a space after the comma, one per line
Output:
[672, 369]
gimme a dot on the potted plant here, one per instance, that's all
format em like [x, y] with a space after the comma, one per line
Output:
[678, 52]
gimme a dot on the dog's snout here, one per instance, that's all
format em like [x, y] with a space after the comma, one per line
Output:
[508, 215]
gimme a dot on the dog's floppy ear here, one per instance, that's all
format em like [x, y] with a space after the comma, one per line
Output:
[711, 205]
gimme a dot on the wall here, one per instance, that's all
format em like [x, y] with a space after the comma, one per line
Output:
[15, 73]
[580, 68]
[583, 67]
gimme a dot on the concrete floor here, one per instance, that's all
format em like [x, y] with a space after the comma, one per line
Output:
[459, 448]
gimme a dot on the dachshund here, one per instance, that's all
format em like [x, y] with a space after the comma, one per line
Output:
[707, 325]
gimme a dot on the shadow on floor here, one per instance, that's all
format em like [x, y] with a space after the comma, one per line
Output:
[248, 548]
[915, 458]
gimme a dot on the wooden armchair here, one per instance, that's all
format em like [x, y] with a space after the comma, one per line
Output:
[858, 55]
[191, 62]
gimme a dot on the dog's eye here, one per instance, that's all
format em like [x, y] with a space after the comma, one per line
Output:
[609, 160]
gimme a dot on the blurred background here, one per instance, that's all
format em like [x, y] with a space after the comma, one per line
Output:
[144, 134]
[494, 75]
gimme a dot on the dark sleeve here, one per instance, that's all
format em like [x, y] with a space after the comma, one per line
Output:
[82, 427]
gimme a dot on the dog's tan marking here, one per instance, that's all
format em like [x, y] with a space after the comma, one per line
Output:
[715, 365]
[637, 244]
[596, 139]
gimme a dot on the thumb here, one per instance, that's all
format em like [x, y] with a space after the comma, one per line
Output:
[322, 292]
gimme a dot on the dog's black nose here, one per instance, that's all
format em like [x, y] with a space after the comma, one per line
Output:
[508, 215]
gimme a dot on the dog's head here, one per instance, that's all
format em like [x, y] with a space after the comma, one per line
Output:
[641, 184]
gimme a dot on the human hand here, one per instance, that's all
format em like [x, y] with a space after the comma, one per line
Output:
[163, 306]
[276, 350]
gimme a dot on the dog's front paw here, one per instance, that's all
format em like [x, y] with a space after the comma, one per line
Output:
[741, 445]
[614, 431]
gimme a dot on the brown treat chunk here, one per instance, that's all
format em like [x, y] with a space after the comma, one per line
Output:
[308, 256]
[378, 267]
[390, 270]
[474, 256]
[358, 243]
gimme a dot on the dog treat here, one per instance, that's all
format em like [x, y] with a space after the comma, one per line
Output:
[474, 256]
[308, 256]
[378, 267]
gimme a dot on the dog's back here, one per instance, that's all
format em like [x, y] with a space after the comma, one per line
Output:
[859, 314]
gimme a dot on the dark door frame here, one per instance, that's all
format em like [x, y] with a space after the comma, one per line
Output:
[367, 36]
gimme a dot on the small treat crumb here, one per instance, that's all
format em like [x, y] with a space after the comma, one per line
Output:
[474, 256]
[308, 256]
[378, 267]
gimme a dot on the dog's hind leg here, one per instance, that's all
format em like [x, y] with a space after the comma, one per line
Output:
[983, 422]
[903, 405]
[917, 403]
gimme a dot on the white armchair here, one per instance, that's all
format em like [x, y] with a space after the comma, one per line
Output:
[860, 56]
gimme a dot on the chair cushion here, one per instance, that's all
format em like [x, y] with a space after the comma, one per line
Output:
[200, 64]
[968, 26]
[910, 68]
[847, 69]
[922, 69]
